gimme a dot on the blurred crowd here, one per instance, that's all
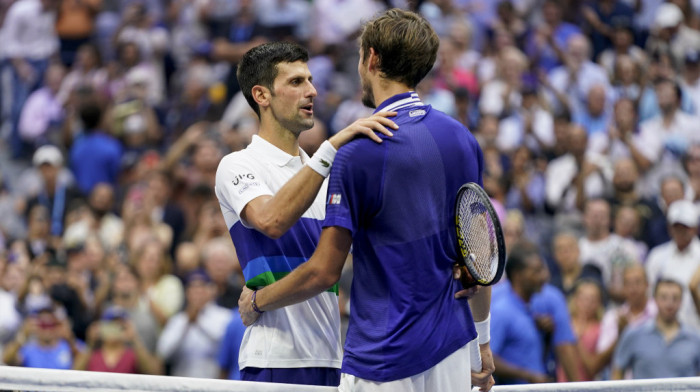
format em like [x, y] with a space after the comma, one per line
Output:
[114, 255]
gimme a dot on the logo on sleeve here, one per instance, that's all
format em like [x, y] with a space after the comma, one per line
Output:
[237, 179]
[325, 163]
[334, 199]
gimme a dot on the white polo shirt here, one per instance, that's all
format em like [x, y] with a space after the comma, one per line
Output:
[666, 261]
[306, 334]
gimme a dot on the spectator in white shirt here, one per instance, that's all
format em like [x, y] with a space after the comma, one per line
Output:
[191, 339]
[663, 139]
[605, 250]
[571, 82]
[575, 176]
[29, 41]
[43, 112]
[679, 258]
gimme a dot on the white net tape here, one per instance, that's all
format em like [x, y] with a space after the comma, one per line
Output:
[46, 380]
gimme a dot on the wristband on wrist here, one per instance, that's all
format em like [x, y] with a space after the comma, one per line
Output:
[483, 330]
[255, 306]
[322, 161]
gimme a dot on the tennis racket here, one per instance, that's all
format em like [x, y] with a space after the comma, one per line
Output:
[481, 247]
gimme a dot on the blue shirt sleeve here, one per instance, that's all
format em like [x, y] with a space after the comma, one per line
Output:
[231, 345]
[551, 302]
[622, 359]
[499, 331]
[563, 333]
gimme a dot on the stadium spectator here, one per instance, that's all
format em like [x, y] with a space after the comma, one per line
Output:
[28, 51]
[607, 251]
[637, 309]
[679, 258]
[230, 347]
[114, 346]
[125, 295]
[163, 292]
[192, 338]
[56, 193]
[657, 233]
[96, 155]
[663, 139]
[662, 347]
[518, 347]
[44, 341]
[586, 312]
[43, 112]
[221, 264]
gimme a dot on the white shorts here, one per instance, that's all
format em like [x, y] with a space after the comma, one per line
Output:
[452, 374]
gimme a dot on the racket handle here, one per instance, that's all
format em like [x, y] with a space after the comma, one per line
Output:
[475, 356]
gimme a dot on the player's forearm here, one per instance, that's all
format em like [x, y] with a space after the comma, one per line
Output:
[480, 304]
[285, 208]
[310, 278]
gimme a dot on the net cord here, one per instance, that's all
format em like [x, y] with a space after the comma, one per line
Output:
[48, 380]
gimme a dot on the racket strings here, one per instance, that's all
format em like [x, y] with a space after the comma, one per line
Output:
[478, 232]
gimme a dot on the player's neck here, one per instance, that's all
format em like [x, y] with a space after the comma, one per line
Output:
[385, 89]
[279, 137]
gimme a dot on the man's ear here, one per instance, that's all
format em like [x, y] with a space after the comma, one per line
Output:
[372, 60]
[261, 95]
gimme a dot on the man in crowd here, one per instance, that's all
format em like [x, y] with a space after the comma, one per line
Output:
[662, 347]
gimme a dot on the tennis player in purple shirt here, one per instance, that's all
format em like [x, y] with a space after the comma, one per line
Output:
[394, 203]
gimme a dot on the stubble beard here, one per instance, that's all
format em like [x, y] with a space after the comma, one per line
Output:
[368, 95]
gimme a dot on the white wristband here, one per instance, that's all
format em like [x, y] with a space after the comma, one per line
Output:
[483, 330]
[322, 161]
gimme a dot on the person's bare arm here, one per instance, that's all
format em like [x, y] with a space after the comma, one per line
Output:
[274, 215]
[566, 356]
[319, 273]
[507, 370]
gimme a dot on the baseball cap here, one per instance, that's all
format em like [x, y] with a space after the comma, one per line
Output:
[48, 154]
[683, 212]
[38, 304]
[197, 275]
[668, 15]
[114, 313]
[692, 56]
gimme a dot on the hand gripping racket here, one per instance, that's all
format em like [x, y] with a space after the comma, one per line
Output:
[480, 243]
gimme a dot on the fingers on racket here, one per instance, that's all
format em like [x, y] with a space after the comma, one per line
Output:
[465, 277]
[475, 357]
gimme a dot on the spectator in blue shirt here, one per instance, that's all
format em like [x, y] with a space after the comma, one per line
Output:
[45, 341]
[516, 342]
[96, 156]
[662, 347]
[230, 346]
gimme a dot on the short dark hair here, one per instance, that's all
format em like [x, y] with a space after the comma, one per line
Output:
[667, 281]
[517, 258]
[91, 116]
[405, 43]
[258, 67]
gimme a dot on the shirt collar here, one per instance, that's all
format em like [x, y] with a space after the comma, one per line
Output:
[273, 153]
[399, 101]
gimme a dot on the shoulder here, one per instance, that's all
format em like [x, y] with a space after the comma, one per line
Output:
[659, 252]
[242, 158]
